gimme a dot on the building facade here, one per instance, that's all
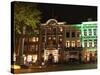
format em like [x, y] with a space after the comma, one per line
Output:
[89, 40]
[58, 42]
[52, 40]
[73, 46]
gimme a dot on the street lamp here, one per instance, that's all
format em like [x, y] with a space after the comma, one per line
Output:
[21, 58]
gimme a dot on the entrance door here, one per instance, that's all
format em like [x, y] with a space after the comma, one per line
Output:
[50, 59]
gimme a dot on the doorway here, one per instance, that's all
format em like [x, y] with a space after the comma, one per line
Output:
[50, 59]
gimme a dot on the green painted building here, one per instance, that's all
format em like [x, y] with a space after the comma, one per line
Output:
[88, 39]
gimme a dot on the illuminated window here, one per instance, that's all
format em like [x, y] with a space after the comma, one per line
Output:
[37, 39]
[34, 57]
[67, 44]
[85, 32]
[61, 29]
[67, 34]
[73, 43]
[49, 38]
[90, 43]
[78, 43]
[73, 34]
[33, 39]
[24, 59]
[56, 58]
[85, 43]
[95, 43]
[54, 38]
[60, 39]
[29, 58]
[90, 32]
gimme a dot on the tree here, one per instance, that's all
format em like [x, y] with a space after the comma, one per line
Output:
[26, 15]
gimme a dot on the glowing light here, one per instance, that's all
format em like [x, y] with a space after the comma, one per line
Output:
[14, 57]
[61, 29]
[93, 54]
[67, 44]
[34, 58]
[24, 59]
[15, 67]
[54, 38]
[46, 55]
[60, 39]
[29, 58]
[49, 38]
[33, 39]
[88, 58]
[78, 43]
[37, 39]
[56, 58]
[53, 52]
[73, 43]
[43, 63]
[88, 54]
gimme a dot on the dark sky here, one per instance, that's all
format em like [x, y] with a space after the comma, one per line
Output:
[68, 13]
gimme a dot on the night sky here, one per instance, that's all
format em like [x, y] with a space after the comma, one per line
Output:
[69, 13]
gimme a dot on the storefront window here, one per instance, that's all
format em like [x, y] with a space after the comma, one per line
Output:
[29, 58]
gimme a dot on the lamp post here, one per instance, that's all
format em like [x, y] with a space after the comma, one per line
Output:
[21, 58]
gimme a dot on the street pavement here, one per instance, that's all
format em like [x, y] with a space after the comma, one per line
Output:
[49, 68]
